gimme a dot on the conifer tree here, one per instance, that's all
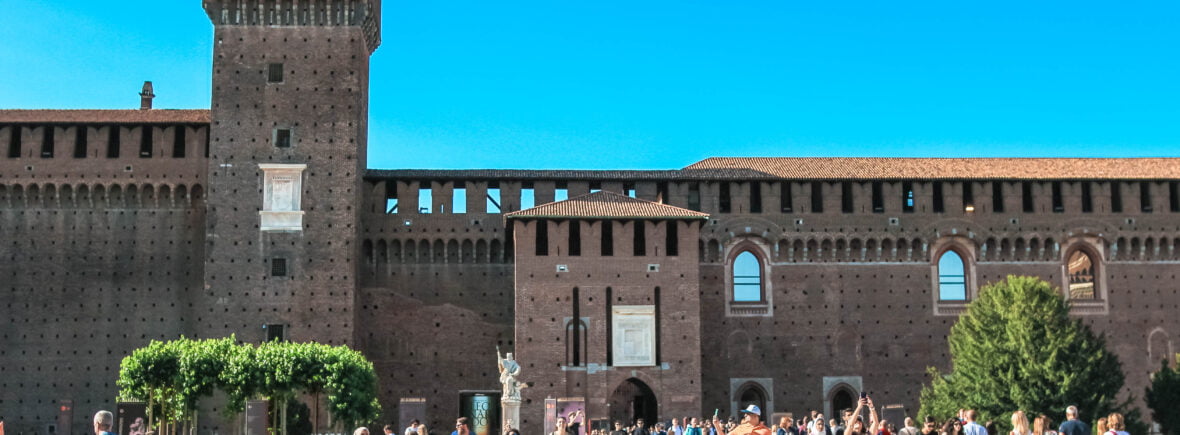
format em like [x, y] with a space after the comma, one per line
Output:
[1016, 348]
[1163, 397]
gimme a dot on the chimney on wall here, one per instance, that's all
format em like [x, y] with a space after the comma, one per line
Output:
[145, 96]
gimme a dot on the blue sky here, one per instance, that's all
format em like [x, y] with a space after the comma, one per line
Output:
[660, 84]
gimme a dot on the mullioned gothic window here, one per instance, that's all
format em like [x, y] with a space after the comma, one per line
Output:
[747, 278]
[952, 277]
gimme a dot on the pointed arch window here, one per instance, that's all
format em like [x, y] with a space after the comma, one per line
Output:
[952, 277]
[1080, 271]
[747, 278]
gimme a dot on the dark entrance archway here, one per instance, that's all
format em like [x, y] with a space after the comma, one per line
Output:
[752, 394]
[632, 400]
[841, 400]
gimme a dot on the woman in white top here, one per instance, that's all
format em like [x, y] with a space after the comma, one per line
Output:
[1020, 424]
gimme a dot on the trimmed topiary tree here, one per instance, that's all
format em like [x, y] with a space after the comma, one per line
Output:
[1163, 397]
[173, 376]
[1016, 348]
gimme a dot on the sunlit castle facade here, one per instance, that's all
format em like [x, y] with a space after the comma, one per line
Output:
[790, 283]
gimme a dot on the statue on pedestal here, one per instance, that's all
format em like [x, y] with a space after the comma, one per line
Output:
[509, 370]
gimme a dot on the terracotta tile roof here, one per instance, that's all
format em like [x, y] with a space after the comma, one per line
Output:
[563, 174]
[824, 168]
[608, 205]
[154, 116]
[520, 174]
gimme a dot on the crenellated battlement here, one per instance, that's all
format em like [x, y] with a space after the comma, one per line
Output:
[365, 14]
[104, 147]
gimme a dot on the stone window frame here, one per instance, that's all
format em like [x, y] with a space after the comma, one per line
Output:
[290, 217]
[761, 250]
[968, 252]
[1092, 246]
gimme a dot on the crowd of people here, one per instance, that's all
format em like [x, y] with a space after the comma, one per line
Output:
[851, 422]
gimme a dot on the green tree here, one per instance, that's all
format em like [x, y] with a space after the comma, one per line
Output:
[174, 376]
[1016, 348]
[1163, 397]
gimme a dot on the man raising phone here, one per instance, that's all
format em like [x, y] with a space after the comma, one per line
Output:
[751, 423]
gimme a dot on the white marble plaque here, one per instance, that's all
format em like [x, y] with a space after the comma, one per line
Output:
[633, 330]
[281, 208]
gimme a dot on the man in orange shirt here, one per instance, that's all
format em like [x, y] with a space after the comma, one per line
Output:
[751, 423]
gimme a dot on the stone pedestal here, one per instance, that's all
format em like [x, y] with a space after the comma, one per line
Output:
[510, 412]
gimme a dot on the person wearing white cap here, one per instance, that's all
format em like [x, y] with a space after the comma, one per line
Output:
[751, 423]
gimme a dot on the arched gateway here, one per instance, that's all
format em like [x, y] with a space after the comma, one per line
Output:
[632, 400]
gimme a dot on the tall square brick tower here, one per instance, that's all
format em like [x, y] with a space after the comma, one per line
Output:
[287, 152]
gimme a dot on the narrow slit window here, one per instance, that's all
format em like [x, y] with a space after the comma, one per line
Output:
[542, 238]
[1145, 196]
[694, 196]
[575, 334]
[952, 278]
[629, 189]
[1116, 197]
[47, 142]
[274, 73]
[493, 198]
[747, 278]
[1058, 203]
[755, 197]
[14, 141]
[671, 239]
[282, 138]
[640, 240]
[1026, 197]
[595, 187]
[113, 142]
[938, 201]
[390, 197]
[1174, 196]
[847, 202]
[178, 140]
[425, 198]
[145, 141]
[459, 198]
[968, 196]
[725, 204]
[785, 201]
[1087, 197]
[907, 197]
[997, 196]
[81, 147]
[575, 238]
[662, 192]
[817, 197]
[608, 239]
[878, 197]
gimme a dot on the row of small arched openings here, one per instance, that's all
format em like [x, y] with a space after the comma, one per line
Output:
[51, 195]
[382, 253]
[831, 250]
[1149, 248]
[1019, 249]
